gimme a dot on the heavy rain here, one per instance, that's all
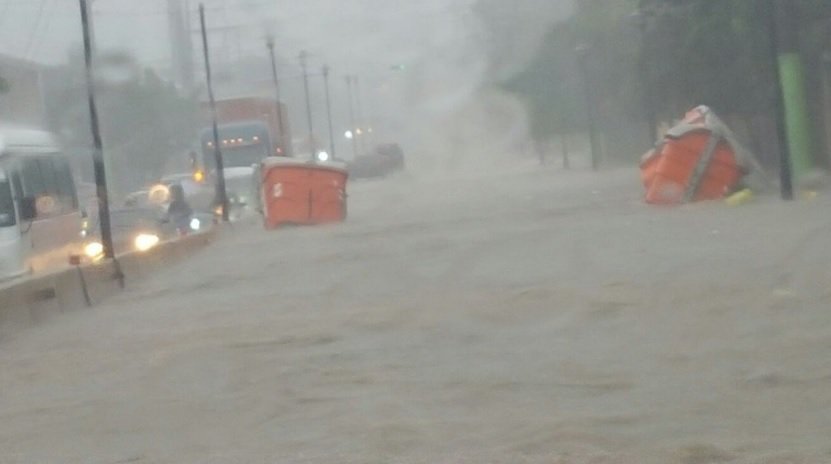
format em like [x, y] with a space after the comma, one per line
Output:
[400, 231]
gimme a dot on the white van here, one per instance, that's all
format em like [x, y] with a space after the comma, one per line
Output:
[40, 219]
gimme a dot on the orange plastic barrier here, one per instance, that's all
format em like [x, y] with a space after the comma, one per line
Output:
[668, 173]
[302, 193]
[694, 162]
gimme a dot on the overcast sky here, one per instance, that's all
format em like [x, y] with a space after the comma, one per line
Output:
[358, 31]
[443, 44]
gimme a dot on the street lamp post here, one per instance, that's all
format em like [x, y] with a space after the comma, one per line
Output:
[363, 133]
[582, 58]
[303, 65]
[221, 194]
[329, 112]
[281, 143]
[352, 127]
[99, 167]
[642, 16]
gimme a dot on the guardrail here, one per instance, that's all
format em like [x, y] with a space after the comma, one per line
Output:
[36, 298]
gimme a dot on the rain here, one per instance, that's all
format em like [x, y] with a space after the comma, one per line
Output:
[436, 231]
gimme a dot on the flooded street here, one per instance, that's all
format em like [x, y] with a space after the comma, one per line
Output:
[526, 316]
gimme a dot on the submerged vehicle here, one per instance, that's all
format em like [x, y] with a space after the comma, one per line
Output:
[138, 229]
[383, 161]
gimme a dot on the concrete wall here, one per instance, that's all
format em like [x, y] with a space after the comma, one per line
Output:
[25, 303]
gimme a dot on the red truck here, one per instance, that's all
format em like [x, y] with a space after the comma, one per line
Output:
[258, 109]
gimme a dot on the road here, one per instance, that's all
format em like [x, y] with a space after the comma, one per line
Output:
[526, 316]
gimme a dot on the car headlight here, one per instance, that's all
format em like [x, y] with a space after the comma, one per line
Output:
[144, 242]
[94, 250]
[323, 156]
[159, 194]
[195, 224]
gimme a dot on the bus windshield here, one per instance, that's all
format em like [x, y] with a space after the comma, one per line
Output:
[7, 218]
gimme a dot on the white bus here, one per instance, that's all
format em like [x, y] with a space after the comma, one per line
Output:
[40, 219]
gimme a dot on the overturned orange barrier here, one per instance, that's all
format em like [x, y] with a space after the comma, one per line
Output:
[698, 159]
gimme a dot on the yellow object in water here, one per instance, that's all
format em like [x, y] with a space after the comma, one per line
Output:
[810, 194]
[739, 198]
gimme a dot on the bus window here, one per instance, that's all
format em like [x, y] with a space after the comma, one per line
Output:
[65, 184]
[50, 201]
[7, 218]
[16, 184]
[33, 184]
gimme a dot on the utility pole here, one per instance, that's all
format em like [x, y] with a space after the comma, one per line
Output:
[99, 167]
[359, 108]
[645, 75]
[221, 194]
[582, 58]
[87, 8]
[351, 117]
[303, 64]
[281, 144]
[329, 112]
[778, 48]
[94, 52]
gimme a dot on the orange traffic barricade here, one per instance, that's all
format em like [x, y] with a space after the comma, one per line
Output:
[698, 159]
[303, 193]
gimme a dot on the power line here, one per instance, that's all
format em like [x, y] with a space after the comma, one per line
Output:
[47, 23]
[34, 31]
[193, 11]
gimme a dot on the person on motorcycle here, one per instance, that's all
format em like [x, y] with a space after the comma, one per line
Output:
[179, 211]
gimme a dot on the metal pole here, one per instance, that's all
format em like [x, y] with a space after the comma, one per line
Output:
[98, 146]
[352, 117]
[582, 55]
[361, 117]
[90, 26]
[329, 112]
[281, 143]
[222, 196]
[785, 177]
[643, 66]
[303, 56]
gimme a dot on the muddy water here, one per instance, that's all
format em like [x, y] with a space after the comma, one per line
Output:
[530, 316]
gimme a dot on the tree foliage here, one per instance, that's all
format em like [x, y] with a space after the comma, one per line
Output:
[696, 52]
[144, 122]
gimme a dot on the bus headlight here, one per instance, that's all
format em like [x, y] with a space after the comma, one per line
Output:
[94, 250]
[144, 242]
